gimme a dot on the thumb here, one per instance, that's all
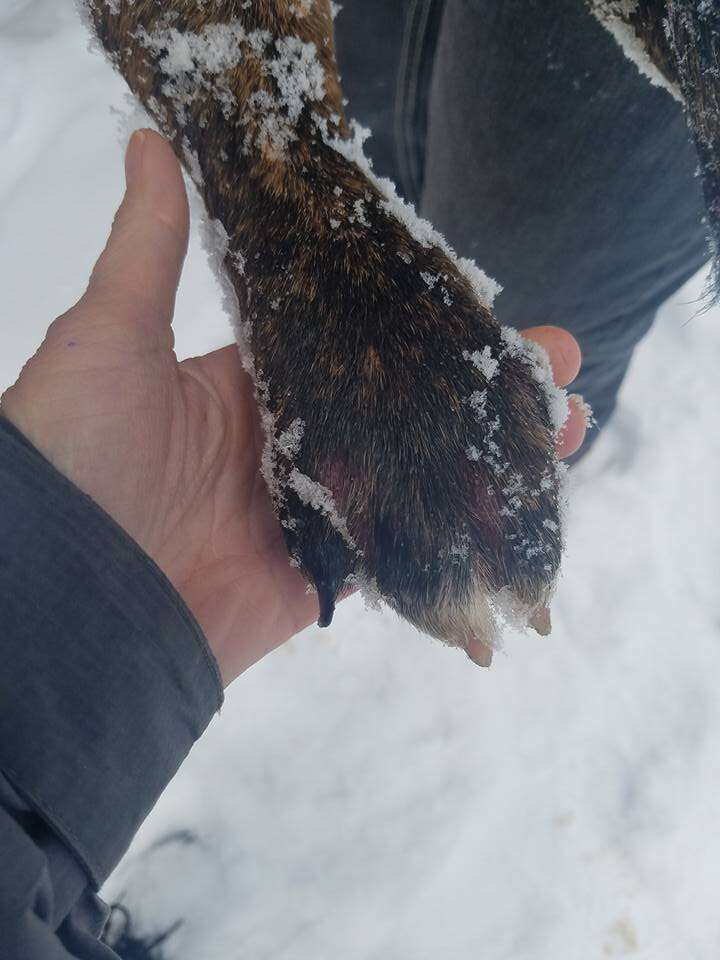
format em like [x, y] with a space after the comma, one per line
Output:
[138, 272]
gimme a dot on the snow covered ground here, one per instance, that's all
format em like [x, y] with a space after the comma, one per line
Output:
[367, 793]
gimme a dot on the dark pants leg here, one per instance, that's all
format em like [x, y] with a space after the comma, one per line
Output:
[539, 150]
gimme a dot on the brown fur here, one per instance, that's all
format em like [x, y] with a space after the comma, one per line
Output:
[361, 349]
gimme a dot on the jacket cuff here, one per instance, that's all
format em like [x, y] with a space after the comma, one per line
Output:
[106, 678]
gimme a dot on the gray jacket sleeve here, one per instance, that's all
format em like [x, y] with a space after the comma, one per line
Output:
[106, 681]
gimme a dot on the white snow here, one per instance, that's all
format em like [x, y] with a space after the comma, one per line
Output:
[301, 8]
[290, 440]
[484, 361]
[478, 400]
[298, 74]
[190, 56]
[194, 62]
[368, 793]
[360, 214]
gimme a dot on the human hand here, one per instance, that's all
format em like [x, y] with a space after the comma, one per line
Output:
[171, 450]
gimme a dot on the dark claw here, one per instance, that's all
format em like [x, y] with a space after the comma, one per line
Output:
[326, 598]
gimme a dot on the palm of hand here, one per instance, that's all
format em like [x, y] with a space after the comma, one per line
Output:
[172, 450]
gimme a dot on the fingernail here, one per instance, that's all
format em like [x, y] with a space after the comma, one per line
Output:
[134, 157]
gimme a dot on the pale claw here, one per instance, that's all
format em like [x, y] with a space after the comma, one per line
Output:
[478, 651]
[540, 621]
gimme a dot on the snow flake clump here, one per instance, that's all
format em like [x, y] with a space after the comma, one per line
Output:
[473, 453]
[288, 443]
[190, 57]
[299, 79]
[298, 74]
[301, 8]
[194, 63]
[485, 362]
[478, 400]
[360, 213]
